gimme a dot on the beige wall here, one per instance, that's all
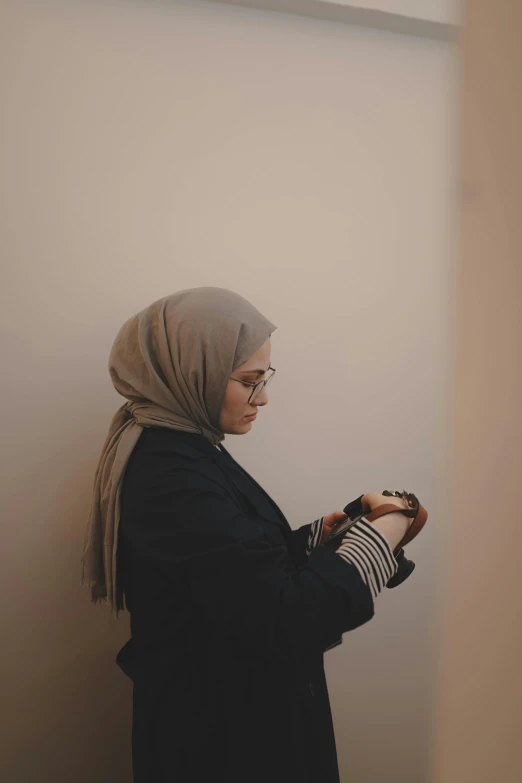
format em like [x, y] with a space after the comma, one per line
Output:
[478, 687]
[149, 147]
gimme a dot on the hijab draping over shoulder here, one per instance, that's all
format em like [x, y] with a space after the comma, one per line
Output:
[172, 362]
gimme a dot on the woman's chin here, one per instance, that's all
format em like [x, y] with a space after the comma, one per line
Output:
[238, 428]
[243, 426]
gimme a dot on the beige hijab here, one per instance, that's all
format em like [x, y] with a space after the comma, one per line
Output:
[172, 362]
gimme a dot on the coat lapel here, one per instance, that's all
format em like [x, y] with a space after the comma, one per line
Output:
[261, 500]
[253, 496]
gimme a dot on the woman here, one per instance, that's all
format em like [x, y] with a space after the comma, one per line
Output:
[231, 610]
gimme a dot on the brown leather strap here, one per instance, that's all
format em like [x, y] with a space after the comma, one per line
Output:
[420, 515]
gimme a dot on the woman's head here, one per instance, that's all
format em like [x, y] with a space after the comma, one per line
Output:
[241, 398]
[185, 360]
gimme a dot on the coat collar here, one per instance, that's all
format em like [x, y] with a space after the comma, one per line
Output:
[197, 447]
[265, 506]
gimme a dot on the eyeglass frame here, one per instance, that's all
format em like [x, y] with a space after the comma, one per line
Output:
[255, 385]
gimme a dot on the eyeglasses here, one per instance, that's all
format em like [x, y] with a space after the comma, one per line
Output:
[256, 386]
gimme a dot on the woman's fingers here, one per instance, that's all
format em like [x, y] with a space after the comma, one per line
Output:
[330, 520]
[334, 517]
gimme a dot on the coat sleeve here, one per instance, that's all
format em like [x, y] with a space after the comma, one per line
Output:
[305, 539]
[299, 542]
[243, 588]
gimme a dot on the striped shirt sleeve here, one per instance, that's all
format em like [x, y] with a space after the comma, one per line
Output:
[369, 551]
[366, 548]
[314, 537]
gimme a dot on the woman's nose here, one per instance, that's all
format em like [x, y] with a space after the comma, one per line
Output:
[261, 398]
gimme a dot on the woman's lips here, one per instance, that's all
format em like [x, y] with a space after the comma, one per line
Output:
[252, 417]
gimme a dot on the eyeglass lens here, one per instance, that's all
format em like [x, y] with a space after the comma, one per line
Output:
[262, 384]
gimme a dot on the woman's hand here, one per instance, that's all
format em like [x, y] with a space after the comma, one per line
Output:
[373, 500]
[329, 521]
[393, 526]
[369, 501]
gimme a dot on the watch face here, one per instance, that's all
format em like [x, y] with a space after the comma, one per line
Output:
[341, 528]
[354, 510]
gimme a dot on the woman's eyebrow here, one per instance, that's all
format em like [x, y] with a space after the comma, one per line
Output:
[253, 372]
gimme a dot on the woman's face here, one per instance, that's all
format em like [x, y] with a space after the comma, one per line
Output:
[236, 408]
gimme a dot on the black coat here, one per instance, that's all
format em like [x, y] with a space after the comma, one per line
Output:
[229, 622]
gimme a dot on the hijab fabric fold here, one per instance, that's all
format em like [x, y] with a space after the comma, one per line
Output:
[172, 362]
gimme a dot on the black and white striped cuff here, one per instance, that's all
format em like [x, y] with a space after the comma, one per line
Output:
[368, 550]
[315, 535]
